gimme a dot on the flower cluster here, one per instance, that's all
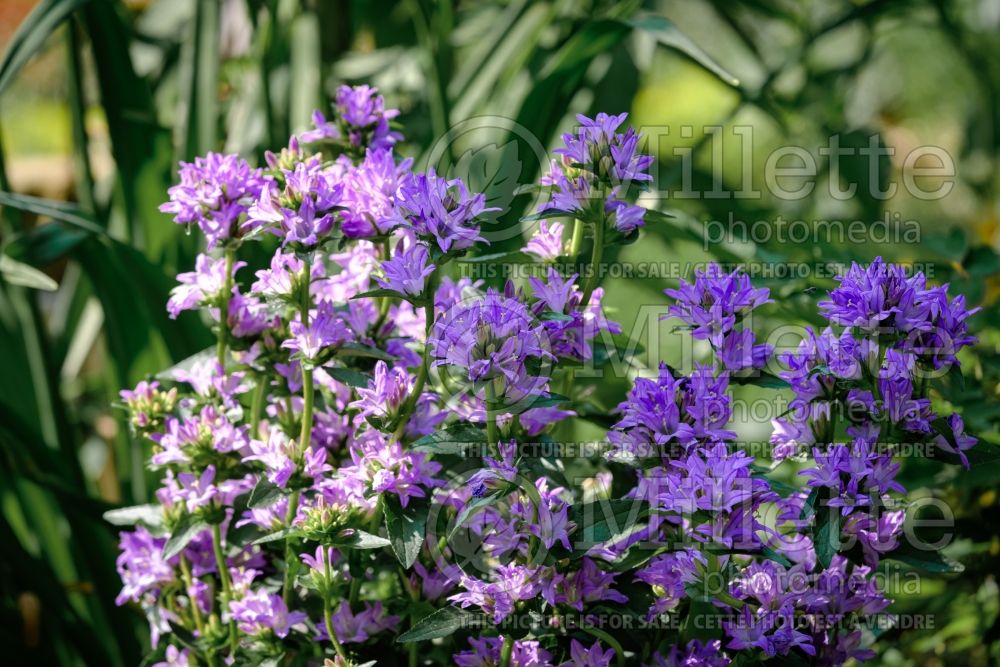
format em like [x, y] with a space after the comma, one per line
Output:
[596, 166]
[346, 473]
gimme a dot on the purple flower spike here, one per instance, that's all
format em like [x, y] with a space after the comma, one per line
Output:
[442, 209]
[213, 193]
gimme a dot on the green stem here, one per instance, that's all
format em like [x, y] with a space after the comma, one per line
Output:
[227, 585]
[577, 240]
[595, 263]
[256, 406]
[293, 508]
[507, 651]
[328, 610]
[220, 347]
[189, 583]
[307, 375]
[220, 562]
[492, 432]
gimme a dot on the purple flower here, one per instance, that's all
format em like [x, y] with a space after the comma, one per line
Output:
[248, 317]
[586, 585]
[772, 631]
[202, 287]
[370, 195]
[595, 656]
[284, 276]
[303, 211]
[174, 658]
[854, 474]
[877, 536]
[496, 472]
[669, 574]
[198, 491]
[571, 336]
[962, 441]
[486, 653]
[739, 352]
[555, 293]
[326, 329]
[625, 217]
[514, 583]
[536, 420]
[199, 438]
[316, 562]
[407, 270]
[434, 583]
[694, 654]
[259, 611]
[714, 302]
[213, 193]
[684, 410]
[600, 148]
[546, 243]
[361, 120]
[278, 454]
[876, 296]
[386, 392]
[442, 209]
[491, 339]
[354, 628]
[383, 466]
[141, 565]
[594, 165]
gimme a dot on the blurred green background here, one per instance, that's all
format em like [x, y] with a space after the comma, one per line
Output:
[99, 99]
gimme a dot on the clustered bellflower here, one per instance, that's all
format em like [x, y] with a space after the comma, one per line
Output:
[356, 461]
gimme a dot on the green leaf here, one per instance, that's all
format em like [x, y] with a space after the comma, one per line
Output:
[17, 273]
[359, 539]
[360, 350]
[771, 554]
[283, 534]
[442, 623]
[761, 379]
[827, 540]
[667, 34]
[553, 316]
[381, 292]
[185, 531]
[454, 439]
[809, 506]
[600, 521]
[51, 208]
[31, 35]
[150, 515]
[264, 494]
[44, 245]
[348, 376]
[926, 560]
[548, 400]
[548, 214]
[406, 527]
